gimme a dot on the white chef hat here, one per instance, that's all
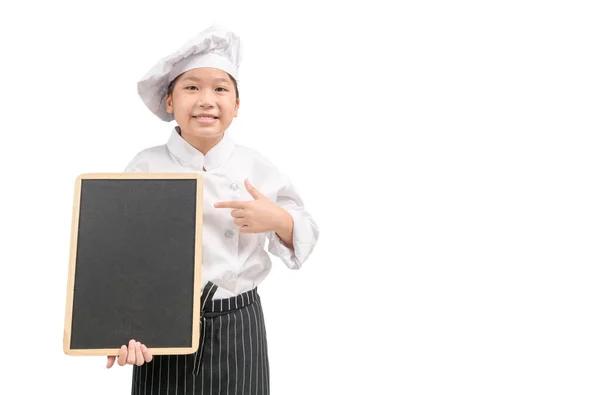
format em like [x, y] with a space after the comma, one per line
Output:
[214, 47]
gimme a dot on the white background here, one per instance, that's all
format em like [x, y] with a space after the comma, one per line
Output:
[449, 152]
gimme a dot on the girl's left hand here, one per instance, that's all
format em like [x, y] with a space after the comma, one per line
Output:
[258, 215]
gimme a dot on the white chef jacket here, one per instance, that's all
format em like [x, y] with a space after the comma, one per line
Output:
[236, 262]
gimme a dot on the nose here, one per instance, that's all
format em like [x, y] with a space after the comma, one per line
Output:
[205, 98]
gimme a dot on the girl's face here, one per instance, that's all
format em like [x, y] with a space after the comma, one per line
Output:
[203, 103]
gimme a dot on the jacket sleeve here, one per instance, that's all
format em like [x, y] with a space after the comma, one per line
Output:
[305, 230]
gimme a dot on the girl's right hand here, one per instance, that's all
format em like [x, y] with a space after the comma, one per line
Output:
[137, 353]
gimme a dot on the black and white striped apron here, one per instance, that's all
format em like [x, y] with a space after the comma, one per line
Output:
[231, 359]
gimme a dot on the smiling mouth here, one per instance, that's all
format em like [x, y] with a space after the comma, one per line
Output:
[206, 120]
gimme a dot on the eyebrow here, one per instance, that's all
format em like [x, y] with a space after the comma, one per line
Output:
[191, 77]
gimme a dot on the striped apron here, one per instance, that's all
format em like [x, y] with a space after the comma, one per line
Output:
[231, 359]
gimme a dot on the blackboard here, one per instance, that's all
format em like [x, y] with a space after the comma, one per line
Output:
[135, 263]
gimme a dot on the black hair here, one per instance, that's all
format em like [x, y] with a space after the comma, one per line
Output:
[172, 85]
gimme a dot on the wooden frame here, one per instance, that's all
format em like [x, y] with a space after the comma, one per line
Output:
[73, 256]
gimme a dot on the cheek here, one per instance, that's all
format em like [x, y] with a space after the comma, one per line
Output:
[227, 108]
[180, 105]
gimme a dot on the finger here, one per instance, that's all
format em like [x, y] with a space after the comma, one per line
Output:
[238, 213]
[110, 361]
[146, 353]
[255, 193]
[234, 204]
[122, 356]
[240, 222]
[131, 353]
[139, 358]
[245, 229]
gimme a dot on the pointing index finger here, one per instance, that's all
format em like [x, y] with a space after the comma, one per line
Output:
[230, 204]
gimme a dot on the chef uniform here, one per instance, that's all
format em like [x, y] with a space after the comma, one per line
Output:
[232, 356]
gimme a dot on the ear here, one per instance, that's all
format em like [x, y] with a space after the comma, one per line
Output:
[237, 106]
[169, 103]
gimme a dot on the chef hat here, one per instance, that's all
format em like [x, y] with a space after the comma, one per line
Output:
[215, 47]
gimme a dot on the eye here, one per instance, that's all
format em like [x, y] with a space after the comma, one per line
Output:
[221, 89]
[191, 87]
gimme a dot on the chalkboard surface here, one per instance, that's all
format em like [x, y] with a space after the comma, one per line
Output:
[135, 263]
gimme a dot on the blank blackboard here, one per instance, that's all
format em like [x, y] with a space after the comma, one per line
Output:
[135, 263]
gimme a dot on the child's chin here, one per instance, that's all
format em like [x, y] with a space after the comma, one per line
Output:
[207, 132]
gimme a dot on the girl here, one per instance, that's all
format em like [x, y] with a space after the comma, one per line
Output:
[247, 202]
